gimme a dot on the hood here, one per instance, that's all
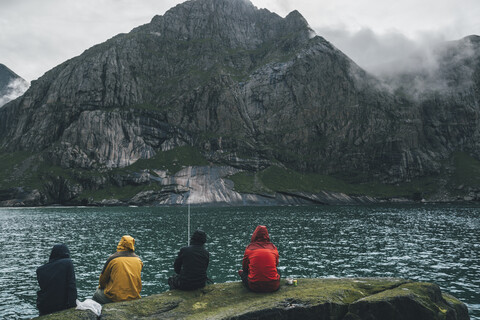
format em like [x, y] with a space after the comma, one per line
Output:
[198, 237]
[260, 235]
[127, 243]
[59, 251]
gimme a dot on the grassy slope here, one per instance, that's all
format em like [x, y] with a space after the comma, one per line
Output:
[275, 179]
[467, 171]
[23, 169]
[170, 161]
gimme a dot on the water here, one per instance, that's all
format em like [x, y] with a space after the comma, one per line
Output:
[434, 243]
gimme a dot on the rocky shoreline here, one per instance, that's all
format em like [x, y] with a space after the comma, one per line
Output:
[200, 185]
[151, 198]
[342, 299]
[35, 198]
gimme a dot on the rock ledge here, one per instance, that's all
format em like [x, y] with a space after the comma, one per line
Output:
[345, 299]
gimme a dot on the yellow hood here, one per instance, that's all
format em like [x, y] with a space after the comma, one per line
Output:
[126, 243]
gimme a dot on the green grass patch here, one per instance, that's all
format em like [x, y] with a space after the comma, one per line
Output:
[12, 167]
[28, 170]
[277, 179]
[115, 192]
[249, 182]
[24, 169]
[172, 161]
[416, 189]
[467, 170]
[286, 180]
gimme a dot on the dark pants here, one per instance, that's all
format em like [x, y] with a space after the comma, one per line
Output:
[244, 277]
[261, 286]
[100, 297]
[175, 283]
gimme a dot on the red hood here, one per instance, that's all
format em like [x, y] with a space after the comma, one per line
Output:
[260, 235]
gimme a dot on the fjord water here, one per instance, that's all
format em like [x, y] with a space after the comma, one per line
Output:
[434, 243]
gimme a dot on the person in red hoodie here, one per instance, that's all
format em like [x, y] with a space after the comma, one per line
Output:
[259, 266]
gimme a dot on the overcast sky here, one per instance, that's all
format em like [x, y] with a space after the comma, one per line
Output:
[37, 35]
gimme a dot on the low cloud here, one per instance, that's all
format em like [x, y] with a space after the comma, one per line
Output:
[419, 65]
[14, 89]
[383, 54]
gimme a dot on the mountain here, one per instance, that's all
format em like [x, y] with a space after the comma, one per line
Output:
[218, 101]
[11, 85]
[448, 96]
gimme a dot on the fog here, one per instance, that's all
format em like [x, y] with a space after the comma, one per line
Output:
[14, 89]
[384, 54]
[418, 65]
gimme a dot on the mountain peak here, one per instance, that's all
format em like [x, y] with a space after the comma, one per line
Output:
[6, 75]
[471, 40]
[236, 23]
[11, 85]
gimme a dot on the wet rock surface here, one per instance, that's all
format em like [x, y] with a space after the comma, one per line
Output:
[342, 299]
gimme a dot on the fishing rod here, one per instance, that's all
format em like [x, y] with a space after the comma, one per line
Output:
[188, 226]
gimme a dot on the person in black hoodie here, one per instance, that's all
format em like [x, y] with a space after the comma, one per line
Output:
[191, 264]
[58, 289]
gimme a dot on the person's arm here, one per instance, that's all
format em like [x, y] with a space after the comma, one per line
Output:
[40, 295]
[140, 276]
[177, 265]
[71, 286]
[245, 262]
[105, 275]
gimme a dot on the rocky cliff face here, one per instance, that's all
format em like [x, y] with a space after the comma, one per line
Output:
[243, 85]
[445, 87]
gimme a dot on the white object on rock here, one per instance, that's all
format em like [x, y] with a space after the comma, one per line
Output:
[90, 304]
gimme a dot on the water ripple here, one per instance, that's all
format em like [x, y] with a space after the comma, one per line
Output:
[431, 243]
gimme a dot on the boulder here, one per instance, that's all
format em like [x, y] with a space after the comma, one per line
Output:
[342, 299]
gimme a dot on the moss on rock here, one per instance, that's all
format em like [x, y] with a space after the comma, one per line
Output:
[411, 301]
[347, 299]
[70, 314]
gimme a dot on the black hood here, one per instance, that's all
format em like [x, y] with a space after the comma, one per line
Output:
[59, 251]
[199, 237]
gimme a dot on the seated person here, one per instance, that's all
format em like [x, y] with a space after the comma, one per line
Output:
[120, 279]
[259, 266]
[191, 264]
[58, 289]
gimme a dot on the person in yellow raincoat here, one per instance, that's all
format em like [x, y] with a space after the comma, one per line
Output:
[120, 279]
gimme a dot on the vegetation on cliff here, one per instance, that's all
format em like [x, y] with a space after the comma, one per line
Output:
[247, 89]
[459, 180]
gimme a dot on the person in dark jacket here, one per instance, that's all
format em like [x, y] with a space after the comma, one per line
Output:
[58, 289]
[191, 264]
[260, 261]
